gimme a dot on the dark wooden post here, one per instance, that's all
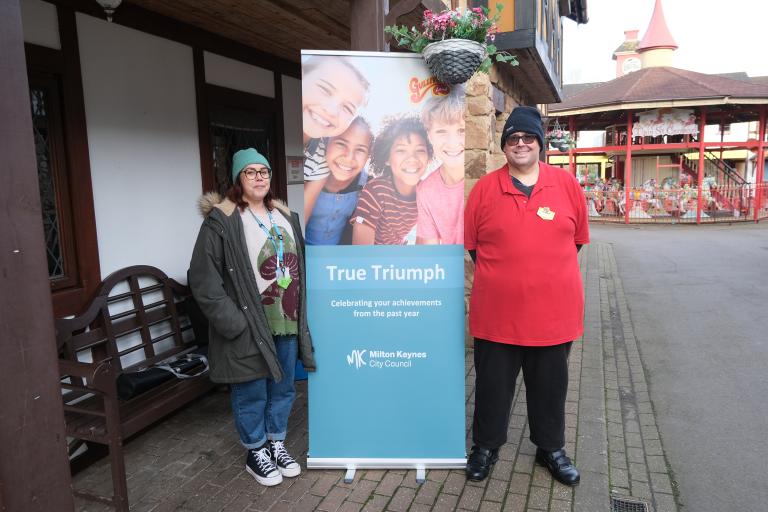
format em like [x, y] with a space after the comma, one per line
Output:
[34, 470]
[367, 20]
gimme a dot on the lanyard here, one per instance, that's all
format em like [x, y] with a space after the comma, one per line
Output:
[279, 250]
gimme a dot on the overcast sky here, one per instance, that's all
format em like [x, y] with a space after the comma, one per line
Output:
[713, 36]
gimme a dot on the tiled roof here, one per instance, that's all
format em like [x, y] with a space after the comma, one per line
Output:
[660, 84]
[626, 46]
[570, 90]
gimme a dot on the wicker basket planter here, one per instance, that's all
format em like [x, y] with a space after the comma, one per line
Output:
[559, 144]
[454, 61]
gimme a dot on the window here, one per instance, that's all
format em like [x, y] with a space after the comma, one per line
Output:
[239, 120]
[63, 169]
[45, 105]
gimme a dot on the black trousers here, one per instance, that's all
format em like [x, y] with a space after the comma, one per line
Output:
[545, 372]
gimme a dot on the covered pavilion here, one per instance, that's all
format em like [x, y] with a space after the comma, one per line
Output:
[667, 144]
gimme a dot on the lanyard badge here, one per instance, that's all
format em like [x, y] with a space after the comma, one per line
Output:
[285, 279]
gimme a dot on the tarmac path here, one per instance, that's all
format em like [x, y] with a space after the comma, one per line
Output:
[698, 298]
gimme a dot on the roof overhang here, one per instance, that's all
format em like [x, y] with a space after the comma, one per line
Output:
[535, 72]
[646, 105]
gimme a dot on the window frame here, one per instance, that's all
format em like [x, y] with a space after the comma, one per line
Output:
[50, 84]
[61, 68]
[222, 97]
[208, 96]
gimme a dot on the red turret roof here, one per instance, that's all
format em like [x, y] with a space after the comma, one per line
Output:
[657, 35]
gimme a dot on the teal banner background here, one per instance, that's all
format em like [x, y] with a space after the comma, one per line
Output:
[390, 373]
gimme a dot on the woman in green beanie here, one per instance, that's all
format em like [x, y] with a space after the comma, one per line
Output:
[247, 274]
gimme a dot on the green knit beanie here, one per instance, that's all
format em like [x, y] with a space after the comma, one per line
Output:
[246, 157]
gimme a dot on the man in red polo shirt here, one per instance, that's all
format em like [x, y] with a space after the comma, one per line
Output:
[524, 224]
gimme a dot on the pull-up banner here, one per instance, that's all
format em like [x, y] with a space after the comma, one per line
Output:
[384, 198]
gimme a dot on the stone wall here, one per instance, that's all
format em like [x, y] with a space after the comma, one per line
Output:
[483, 133]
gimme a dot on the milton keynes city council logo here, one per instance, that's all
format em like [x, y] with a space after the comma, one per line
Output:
[378, 359]
[356, 358]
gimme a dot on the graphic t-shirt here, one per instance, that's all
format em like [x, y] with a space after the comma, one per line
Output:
[280, 304]
[315, 164]
[390, 214]
[441, 210]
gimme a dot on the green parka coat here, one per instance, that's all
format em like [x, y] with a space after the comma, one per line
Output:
[223, 283]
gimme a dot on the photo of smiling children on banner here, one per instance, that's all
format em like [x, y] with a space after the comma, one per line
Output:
[384, 154]
[440, 196]
[332, 92]
[334, 203]
[386, 211]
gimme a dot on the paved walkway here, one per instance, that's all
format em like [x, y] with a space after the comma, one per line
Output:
[193, 461]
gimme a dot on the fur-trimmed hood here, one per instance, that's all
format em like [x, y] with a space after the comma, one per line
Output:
[221, 277]
[210, 200]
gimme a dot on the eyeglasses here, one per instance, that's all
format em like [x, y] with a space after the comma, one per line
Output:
[264, 173]
[513, 140]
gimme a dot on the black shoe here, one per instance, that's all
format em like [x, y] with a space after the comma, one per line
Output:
[261, 467]
[480, 462]
[559, 465]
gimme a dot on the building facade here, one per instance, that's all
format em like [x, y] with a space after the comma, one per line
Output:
[111, 131]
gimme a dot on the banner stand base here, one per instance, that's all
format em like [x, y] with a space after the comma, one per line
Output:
[352, 465]
[421, 474]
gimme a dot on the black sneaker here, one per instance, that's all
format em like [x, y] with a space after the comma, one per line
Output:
[261, 467]
[285, 463]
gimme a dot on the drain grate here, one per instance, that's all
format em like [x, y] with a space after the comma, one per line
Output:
[622, 504]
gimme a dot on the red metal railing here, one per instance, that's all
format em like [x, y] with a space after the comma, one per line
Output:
[645, 205]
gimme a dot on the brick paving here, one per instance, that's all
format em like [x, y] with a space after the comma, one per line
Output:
[193, 460]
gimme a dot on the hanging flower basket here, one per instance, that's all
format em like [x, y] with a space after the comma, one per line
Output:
[454, 43]
[560, 139]
[560, 144]
[454, 61]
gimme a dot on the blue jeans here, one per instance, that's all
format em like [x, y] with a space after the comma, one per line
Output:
[261, 407]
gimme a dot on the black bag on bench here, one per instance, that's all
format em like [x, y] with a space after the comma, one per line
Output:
[132, 384]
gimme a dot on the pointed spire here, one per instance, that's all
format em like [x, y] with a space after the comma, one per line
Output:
[657, 35]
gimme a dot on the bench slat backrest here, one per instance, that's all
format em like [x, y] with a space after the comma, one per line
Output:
[137, 318]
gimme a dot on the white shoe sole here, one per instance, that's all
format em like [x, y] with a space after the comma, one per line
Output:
[268, 481]
[290, 472]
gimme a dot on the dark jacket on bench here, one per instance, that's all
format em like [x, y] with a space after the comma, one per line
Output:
[223, 283]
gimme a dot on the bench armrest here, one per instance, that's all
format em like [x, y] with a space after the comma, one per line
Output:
[98, 376]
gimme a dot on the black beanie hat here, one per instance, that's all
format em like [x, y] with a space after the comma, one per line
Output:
[523, 119]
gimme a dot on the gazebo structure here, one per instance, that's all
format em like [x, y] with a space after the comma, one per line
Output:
[676, 145]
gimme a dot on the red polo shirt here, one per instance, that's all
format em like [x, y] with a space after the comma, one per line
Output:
[527, 288]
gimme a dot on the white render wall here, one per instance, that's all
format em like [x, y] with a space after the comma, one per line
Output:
[142, 136]
[139, 94]
[233, 74]
[40, 23]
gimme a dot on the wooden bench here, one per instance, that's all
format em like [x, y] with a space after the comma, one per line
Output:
[138, 317]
